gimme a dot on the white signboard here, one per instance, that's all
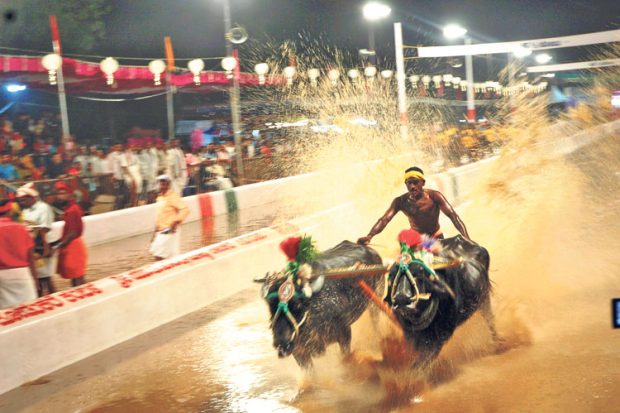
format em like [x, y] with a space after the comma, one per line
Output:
[509, 47]
[574, 66]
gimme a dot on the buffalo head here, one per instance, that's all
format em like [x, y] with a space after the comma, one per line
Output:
[288, 308]
[412, 295]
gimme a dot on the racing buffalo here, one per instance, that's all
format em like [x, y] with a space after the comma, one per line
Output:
[304, 326]
[430, 311]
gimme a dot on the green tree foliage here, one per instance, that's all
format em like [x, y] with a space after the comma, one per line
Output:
[25, 23]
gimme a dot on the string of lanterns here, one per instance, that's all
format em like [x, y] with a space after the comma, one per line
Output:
[52, 63]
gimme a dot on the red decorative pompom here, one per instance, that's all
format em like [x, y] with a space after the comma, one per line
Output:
[410, 237]
[290, 247]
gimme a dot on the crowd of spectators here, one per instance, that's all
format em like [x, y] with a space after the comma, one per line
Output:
[31, 150]
[124, 174]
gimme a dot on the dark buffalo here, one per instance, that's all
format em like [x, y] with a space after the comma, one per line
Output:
[429, 322]
[309, 325]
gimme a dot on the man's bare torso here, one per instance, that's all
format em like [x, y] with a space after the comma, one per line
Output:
[423, 213]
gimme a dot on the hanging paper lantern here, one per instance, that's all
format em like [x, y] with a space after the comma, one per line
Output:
[386, 74]
[195, 66]
[157, 67]
[229, 64]
[370, 72]
[426, 80]
[313, 75]
[353, 74]
[261, 70]
[456, 82]
[414, 79]
[333, 75]
[289, 73]
[52, 62]
[109, 66]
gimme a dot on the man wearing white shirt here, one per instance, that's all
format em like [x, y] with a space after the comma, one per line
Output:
[149, 166]
[114, 167]
[130, 166]
[177, 168]
[38, 218]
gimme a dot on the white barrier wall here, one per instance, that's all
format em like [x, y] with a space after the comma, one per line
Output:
[74, 324]
[49, 333]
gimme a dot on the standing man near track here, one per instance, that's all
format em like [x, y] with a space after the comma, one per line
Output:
[72, 252]
[18, 272]
[421, 206]
[39, 217]
[171, 212]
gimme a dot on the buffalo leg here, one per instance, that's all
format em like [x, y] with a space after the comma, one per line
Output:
[344, 340]
[304, 361]
[489, 317]
[426, 357]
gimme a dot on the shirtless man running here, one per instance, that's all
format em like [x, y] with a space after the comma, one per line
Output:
[421, 206]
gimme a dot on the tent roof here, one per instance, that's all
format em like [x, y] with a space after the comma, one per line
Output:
[86, 78]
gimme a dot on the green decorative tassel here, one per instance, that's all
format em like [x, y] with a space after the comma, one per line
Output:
[307, 251]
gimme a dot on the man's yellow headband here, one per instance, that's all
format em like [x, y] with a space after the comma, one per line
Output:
[414, 174]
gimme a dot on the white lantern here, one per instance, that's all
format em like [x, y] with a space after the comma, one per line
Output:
[109, 66]
[333, 75]
[463, 85]
[353, 74]
[437, 81]
[196, 66]
[456, 81]
[313, 75]
[447, 78]
[228, 64]
[289, 74]
[386, 74]
[261, 70]
[370, 71]
[414, 79]
[157, 67]
[52, 63]
[426, 80]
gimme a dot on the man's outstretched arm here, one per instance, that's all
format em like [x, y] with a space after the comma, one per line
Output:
[381, 224]
[447, 209]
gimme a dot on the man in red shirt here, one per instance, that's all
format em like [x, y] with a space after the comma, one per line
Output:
[72, 253]
[18, 273]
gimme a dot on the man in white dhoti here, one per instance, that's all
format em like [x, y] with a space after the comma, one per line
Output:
[18, 272]
[171, 212]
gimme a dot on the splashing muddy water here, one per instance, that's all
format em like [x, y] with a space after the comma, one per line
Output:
[550, 230]
[551, 226]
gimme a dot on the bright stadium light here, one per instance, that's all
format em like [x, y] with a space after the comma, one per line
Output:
[376, 11]
[543, 58]
[14, 88]
[454, 31]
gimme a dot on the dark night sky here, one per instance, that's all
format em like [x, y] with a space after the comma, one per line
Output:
[136, 27]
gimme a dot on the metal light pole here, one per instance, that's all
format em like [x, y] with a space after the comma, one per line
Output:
[234, 94]
[62, 99]
[453, 31]
[169, 87]
[400, 78]
[469, 76]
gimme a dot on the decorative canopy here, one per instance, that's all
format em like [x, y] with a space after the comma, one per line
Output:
[82, 78]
